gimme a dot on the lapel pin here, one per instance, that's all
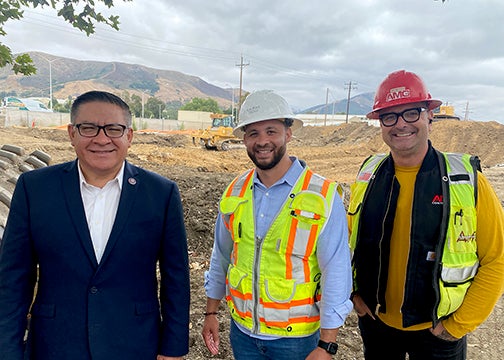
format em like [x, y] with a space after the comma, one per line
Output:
[132, 181]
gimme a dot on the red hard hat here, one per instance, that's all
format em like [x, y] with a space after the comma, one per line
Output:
[398, 88]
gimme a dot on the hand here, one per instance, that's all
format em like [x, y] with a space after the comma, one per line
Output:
[210, 333]
[360, 307]
[440, 332]
[161, 357]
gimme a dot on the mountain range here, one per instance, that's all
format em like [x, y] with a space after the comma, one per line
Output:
[71, 77]
[359, 105]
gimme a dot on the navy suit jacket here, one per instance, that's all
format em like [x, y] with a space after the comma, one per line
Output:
[84, 310]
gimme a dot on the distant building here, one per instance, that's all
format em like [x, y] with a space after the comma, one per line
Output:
[195, 119]
[333, 119]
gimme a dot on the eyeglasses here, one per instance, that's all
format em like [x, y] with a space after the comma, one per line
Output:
[91, 130]
[408, 115]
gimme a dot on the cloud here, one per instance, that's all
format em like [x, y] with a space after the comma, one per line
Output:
[296, 47]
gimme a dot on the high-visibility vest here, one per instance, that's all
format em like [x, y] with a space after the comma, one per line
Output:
[273, 284]
[459, 262]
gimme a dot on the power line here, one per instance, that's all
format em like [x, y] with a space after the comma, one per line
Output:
[108, 36]
[147, 43]
[350, 88]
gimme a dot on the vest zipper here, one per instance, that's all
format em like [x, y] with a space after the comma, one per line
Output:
[445, 191]
[255, 285]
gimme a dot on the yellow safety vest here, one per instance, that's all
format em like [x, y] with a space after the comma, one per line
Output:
[459, 262]
[273, 284]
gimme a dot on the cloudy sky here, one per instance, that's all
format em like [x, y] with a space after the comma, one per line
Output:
[298, 48]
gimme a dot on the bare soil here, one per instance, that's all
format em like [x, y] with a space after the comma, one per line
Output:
[335, 152]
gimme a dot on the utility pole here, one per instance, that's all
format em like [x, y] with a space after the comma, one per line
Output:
[350, 87]
[232, 103]
[241, 65]
[325, 108]
[50, 80]
[143, 106]
[466, 114]
[50, 84]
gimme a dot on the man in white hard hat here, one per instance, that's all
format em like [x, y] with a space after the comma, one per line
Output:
[427, 234]
[281, 256]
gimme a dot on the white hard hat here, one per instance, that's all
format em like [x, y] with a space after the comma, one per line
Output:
[264, 105]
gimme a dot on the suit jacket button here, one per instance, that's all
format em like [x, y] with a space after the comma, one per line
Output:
[93, 290]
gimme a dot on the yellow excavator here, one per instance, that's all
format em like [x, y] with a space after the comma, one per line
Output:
[446, 112]
[219, 136]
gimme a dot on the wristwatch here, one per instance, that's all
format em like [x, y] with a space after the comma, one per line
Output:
[330, 347]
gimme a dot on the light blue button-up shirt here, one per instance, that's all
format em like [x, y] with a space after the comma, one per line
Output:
[333, 252]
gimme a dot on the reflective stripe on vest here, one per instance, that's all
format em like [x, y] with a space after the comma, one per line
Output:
[460, 260]
[273, 284]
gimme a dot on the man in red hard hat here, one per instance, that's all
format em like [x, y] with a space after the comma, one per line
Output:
[427, 235]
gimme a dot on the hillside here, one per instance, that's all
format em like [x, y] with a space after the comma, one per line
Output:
[359, 105]
[72, 77]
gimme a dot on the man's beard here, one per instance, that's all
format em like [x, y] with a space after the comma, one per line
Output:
[278, 154]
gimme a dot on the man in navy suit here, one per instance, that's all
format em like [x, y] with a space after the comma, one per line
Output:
[86, 237]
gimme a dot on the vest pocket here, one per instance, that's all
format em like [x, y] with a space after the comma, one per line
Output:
[232, 208]
[462, 230]
[239, 291]
[286, 302]
[452, 297]
[309, 207]
[279, 290]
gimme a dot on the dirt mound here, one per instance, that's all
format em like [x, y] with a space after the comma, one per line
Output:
[345, 134]
[163, 139]
[484, 139]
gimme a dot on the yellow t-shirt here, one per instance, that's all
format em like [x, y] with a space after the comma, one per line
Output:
[399, 250]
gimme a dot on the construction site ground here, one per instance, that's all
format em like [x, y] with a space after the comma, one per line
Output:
[334, 151]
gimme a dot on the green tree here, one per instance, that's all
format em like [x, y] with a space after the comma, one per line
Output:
[197, 104]
[154, 107]
[136, 105]
[125, 95]
[84, 20]
[172, 108]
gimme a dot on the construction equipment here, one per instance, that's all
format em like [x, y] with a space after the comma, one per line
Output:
[219, 136]
[446, 112]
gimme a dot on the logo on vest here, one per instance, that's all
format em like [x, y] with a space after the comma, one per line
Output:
[466, 238]
[364, 176]
[437, 200]
[398, 93]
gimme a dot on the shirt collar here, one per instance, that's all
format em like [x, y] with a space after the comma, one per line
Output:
[291, 176]
[118, 178]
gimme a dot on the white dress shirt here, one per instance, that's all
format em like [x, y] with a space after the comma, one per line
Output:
[100, 205]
